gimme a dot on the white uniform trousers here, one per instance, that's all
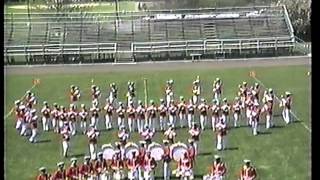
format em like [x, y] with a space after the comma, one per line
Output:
[94, 121]
[196, 147]
[166, 171]
[182, 118]
[131, 124]
[83, 126]
[168, 99]
[220, 143]
[133, 174]
[172, 120]
[235, 119]
[249, 118]
[148, 175]
[217, 97]
[92, 149]
[45, 124]
[120, 122]
[34, 133]
[72, 126]
[140, 125]
[18, 124]
[60, 124]
[23, 128]
[203, 121]
[213, 123]
[286, 115]
[140, 172]
[163, 125]
[152, 123]
[108, 122]
[225, 119]
[268, 121]
[190, 120]
[254, 127]
[65, 147]
[54, 124]
[195, 99]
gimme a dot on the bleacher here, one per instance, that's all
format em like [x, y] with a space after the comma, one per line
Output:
[143, 28]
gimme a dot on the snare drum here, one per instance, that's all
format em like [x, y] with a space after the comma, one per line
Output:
[129, 148]
[156, 151]
[178, 150]
[108, 151]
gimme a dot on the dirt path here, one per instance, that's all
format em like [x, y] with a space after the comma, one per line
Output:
[152, 66]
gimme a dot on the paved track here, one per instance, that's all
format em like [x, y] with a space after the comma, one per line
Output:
[151, 66]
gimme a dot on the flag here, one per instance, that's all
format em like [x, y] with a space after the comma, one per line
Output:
[36, 81]
[252, 74]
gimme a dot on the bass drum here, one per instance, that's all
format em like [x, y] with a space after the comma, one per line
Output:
[178, 150]
[156, 151]
[108, 151]
[129, 148]
[209, 177]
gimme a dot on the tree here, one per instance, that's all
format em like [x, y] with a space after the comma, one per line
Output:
[299, 12]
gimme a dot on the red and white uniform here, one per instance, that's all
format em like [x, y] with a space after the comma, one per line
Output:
[195, 135]
[248, 173]
[45, 118]
[149, 164]
[182, 110]
[192, 154]
[19, 117]
[218, 169]
[72, 115]
[185, 168]
[249, 108]
[121, 113]
[73, 173]
[92, 138]
[100, 168]
[34, 126]
[147, 135]
[196, 91]
[225, 109]
[85, 170]
[267, 109]
[83, 114]
[141, 117]
[255, 119]
[63, 115]
[132, 165]
[55, 119]
[142, 153]
[131, 117]
[203, 108]
[190, 109]
[236, 108]
[162, 109]
[286, 103]
[43, 177]
[169, 93]
[94, 116]
[170, 135]
[172, 114]
[221, 132]
[123, 136]
[59, 175]
[217, 90]
[215, 109]
[151, 118]
[109, 110]
[95, 94]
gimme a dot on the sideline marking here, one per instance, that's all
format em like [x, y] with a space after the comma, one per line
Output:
[294, 115]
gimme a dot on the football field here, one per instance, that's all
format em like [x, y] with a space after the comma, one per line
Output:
[280, 153]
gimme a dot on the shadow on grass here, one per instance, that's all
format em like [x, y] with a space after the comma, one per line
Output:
[264, 133]
[231, 148]
[196, 176]
[278, 126]
[205, 154]
[78, 155]
[44, 141]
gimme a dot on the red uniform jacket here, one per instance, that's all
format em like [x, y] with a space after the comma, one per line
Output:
[218, 168]
[85, 170]
[248, 172]
[73, 173]
[43, 177]
[59, 175]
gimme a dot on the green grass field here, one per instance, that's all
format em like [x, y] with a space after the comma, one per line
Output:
[284, 153]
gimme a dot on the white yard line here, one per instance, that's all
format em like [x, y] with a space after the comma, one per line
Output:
[12, 109]
[293, 114]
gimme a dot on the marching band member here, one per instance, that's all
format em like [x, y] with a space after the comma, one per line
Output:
[225, 108]
[60, 174]
[221, 132]
[141, 116]
[247, 172]
[100, 167]
[85, 168]
[151, 115]
[217, 89]
[55, 117]
[121, 147]
[169, 92]
[44, 174]
[147, 134]
[203, 108]
[236, 108]
[26, 120]
[21, 123]
[121, 113]
[113, 94]
[45, 116]
[196, 90]
[132, 165]
[72, 172]
[256, 91]
[162, 115]
[34, 126]
[95, 115]
[195, 134]
[72, 114]
[62, 117]
[218, 168]
[131, 116]
[19, 114]
[191, 151]
[92, 136]
[30, 99]
[248, 108]
[83, 118]
[170, 134]
[123, 135]
[185, 167]
[109, 109]
[141, 155]
[74, 93]
[166, 160]
[268, 100]
[182, 111]
[95, 94]
[172, 113]
[255, 118]
[286, 103]
[131, 92]
[117, 165]
[66, 134]
[215, 108]
[148, 166]
[191, 108]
